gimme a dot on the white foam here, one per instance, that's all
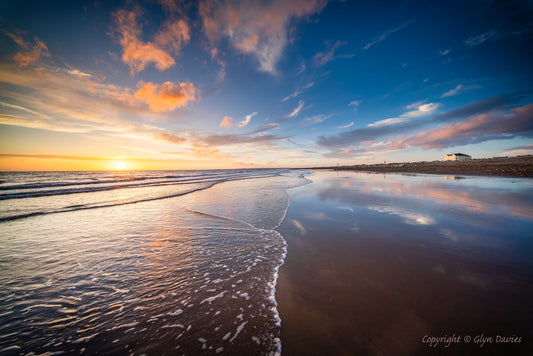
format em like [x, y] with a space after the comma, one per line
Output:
[176, 313]
[239, 329]
[210, 299]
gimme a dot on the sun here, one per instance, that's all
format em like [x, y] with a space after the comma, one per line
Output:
[120, 166]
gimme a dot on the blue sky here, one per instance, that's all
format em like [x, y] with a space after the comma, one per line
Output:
[224, 84]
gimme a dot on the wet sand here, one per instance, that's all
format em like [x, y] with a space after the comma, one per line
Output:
[521, 166]
[372, 267]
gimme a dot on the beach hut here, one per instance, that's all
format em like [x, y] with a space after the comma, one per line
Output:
[457, 157]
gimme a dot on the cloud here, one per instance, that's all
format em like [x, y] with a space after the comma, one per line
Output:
[490, 126]
[386, 34]
[355, 104]
[246, 120]
[479, 39]
[483, 105]
[298, 91]
[370, 134]
[421, 110]
[228, 140]
[170, 138]
[324, 57]
[30, 53]
[445, 52]
[227, 122]
[460, 88]
[345, 126]
[296, 110]
[138, 54]
[317, 119]
[253, 27]
[167, 96]
[520, 150]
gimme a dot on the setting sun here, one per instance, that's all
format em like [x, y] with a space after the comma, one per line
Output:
[120, 166]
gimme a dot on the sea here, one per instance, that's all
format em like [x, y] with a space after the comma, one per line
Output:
[142, 262]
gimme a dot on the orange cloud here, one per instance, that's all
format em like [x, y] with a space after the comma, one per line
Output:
[137, 54]
[212, 153]
[30, 53]
[226, 122]
[167, 96]
[169, 138]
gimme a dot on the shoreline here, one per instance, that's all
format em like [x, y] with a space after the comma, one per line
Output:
[520, 166]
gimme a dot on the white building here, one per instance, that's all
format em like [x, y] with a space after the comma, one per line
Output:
[457, 157]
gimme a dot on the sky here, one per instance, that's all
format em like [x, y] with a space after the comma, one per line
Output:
[168, 84]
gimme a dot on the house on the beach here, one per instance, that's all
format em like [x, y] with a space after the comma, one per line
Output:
[457, 157]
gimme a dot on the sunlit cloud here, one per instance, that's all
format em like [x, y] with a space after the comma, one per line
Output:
[227, 122]
[520, 150]
[420, 110]
[170, 138]
[255, 28]
[459, 89]
[490, 126]
[246, 120]
[137, 54]
[30, 52]
[167, 96]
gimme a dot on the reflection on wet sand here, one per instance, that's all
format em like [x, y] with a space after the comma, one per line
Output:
[375, 264]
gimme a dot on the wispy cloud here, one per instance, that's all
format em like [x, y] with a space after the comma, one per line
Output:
[253, 27]
[345, 126]
[30, 52]
[519, 150]
[445, 52]
[459, 89]
[355, 104]
[296, 110]
[298, 91]
[420, 110]
[246, 120]
[317, 119]
[479, 39]
[324, 57]
[387, 33]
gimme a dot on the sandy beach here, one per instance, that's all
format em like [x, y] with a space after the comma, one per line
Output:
[521, 166]
[378, 264]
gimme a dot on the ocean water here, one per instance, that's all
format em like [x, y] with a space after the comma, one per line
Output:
[156, 262]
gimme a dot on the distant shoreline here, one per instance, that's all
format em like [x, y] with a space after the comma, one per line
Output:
[520, 166]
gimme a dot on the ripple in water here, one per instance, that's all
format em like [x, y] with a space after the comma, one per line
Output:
[187, 275]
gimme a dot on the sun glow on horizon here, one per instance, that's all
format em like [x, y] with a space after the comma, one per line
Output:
[120, 166]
